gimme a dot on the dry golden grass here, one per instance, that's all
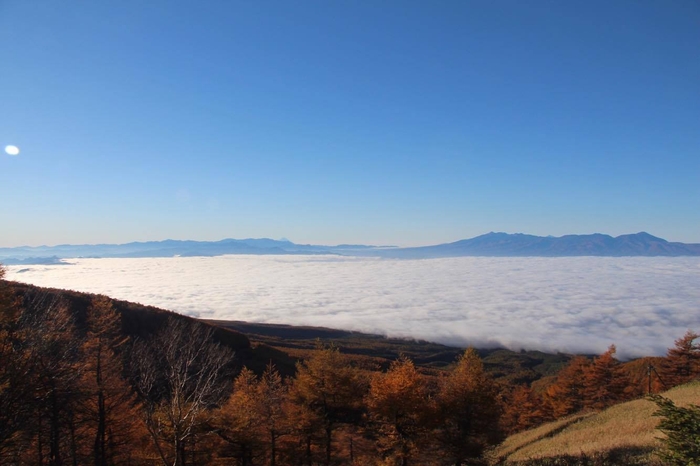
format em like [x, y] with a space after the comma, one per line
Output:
[517, 442]
[630, 426]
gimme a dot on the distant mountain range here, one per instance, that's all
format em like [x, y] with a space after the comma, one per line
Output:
[521, 245]
[488, 245]
[168, 248]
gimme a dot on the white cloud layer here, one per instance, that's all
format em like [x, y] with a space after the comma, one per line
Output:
[578, 304]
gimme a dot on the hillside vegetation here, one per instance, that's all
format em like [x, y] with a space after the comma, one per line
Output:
[86, 379]
[622, 434]
[377, 351]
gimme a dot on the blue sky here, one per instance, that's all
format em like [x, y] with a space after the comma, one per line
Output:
[348, 121]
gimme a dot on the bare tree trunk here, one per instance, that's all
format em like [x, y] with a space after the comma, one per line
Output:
[54, 432]
[308, 450]
[244, 455]
[39, 441]
[181, 453]
[329, 438]
[73, 444]
[99, 450]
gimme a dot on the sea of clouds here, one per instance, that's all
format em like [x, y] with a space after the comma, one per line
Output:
[580, 304]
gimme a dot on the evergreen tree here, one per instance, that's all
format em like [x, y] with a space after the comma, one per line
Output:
[682, 429]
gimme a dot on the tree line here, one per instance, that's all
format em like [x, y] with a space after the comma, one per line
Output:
[586, 384]
[82, 393]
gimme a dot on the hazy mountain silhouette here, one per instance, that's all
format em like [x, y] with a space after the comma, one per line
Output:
[519, 245]
[489, 245]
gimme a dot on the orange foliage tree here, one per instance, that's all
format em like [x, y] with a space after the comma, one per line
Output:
[238, 422]
[272, 396]
[255, 417]
[683, 360]
[15, 401]
[305, 426]
[50, 347]
[13, 391]
[108, 402]
[469, 410]
[329, 390]
[523, 409]
[399, 406]
[566, 396]
[605, 381]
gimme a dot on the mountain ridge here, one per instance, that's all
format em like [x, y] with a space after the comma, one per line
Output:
[493, 244]
[501, 244]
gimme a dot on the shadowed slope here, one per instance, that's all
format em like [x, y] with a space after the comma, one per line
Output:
[139, 321]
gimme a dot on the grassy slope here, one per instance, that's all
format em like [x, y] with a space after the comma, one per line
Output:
[627, 427]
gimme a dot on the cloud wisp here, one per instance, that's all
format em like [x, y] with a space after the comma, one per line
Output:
[580, 304]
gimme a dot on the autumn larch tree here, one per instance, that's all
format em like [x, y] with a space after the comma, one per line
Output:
[39, 373]
[328, 386]
[108, 403]
[523, 409]
[50, 344]
[255, 417]
[8, 310]
[14, 372]
[683, 360]
[605, 381]
[566, 396]
[272, 397]
[306, 424]
[470, 410]
[398, 404]
[239, 422]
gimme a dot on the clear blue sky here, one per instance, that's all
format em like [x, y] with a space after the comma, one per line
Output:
[382, 122]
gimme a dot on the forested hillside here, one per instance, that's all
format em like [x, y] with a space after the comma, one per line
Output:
[90, 380]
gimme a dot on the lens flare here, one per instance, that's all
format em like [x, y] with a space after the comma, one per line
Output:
[12, 150]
